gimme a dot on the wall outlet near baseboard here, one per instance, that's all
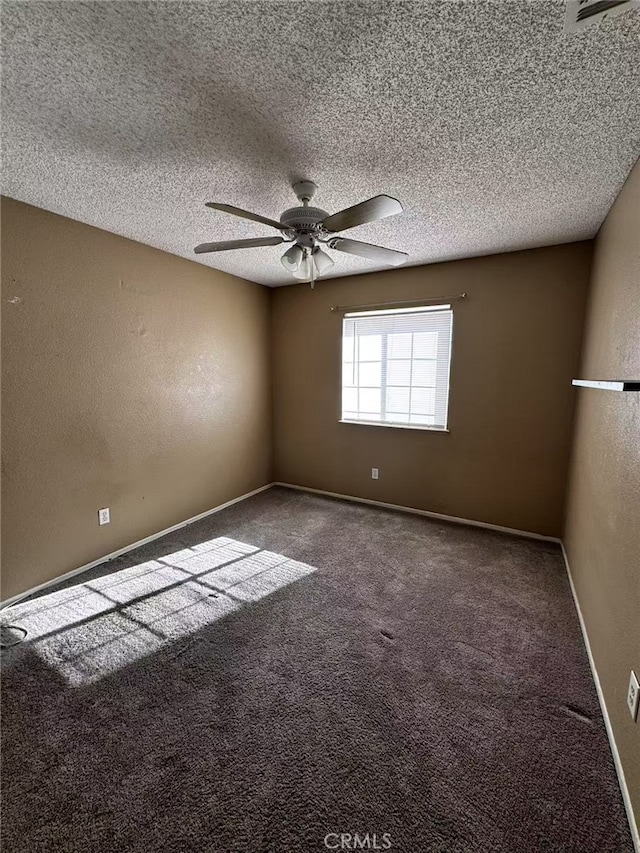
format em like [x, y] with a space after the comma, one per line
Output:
[103, 516]
[633, 696]
[374, 473]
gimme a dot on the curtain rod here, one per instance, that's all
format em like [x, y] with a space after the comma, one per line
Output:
[437, 299]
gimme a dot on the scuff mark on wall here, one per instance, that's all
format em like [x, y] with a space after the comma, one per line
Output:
[132, 288]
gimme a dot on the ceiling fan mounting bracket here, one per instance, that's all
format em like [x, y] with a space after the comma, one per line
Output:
[305, 190]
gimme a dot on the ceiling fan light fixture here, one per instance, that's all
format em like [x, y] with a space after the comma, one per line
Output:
[292, 258]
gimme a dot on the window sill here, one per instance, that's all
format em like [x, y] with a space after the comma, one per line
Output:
[396, 426]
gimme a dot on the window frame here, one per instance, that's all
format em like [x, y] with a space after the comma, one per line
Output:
[383, 386]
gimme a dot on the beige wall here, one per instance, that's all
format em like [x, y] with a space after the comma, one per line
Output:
[516, 348]
[602, 535]
[131, 379]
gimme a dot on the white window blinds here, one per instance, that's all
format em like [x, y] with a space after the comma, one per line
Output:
[395, 366]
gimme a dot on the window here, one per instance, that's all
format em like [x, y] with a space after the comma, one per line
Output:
[395, 367]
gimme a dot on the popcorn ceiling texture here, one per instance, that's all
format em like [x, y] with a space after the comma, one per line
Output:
[495, 129]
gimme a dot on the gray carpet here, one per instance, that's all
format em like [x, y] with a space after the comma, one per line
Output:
[296, 666]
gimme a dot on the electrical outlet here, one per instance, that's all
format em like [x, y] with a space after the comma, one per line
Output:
[633, 695]
[104, 516]
[374, 473]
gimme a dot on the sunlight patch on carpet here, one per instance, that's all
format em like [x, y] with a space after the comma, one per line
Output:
[92, 629]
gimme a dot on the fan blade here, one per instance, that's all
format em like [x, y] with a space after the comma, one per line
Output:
[378, 207]
[369, 251]
[237, 244]
[246, 214]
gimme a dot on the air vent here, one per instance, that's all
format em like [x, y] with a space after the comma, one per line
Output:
[584, 13]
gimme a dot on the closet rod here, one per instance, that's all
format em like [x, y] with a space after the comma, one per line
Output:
[343, 309]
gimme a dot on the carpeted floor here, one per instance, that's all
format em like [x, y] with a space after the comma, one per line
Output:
[295, 667]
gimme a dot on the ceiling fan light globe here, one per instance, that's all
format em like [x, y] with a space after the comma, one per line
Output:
[304, 270]
[292, 258]
[322, 261]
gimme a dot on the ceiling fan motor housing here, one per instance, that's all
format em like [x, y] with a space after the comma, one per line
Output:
[304, 220]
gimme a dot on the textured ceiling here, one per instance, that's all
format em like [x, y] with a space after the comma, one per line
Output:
[495, 129]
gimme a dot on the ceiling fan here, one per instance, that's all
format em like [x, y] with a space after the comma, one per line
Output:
[308, 227]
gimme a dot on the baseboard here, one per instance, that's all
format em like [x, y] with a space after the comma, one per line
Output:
[436, 515]
[633, 826]
[16, 598]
